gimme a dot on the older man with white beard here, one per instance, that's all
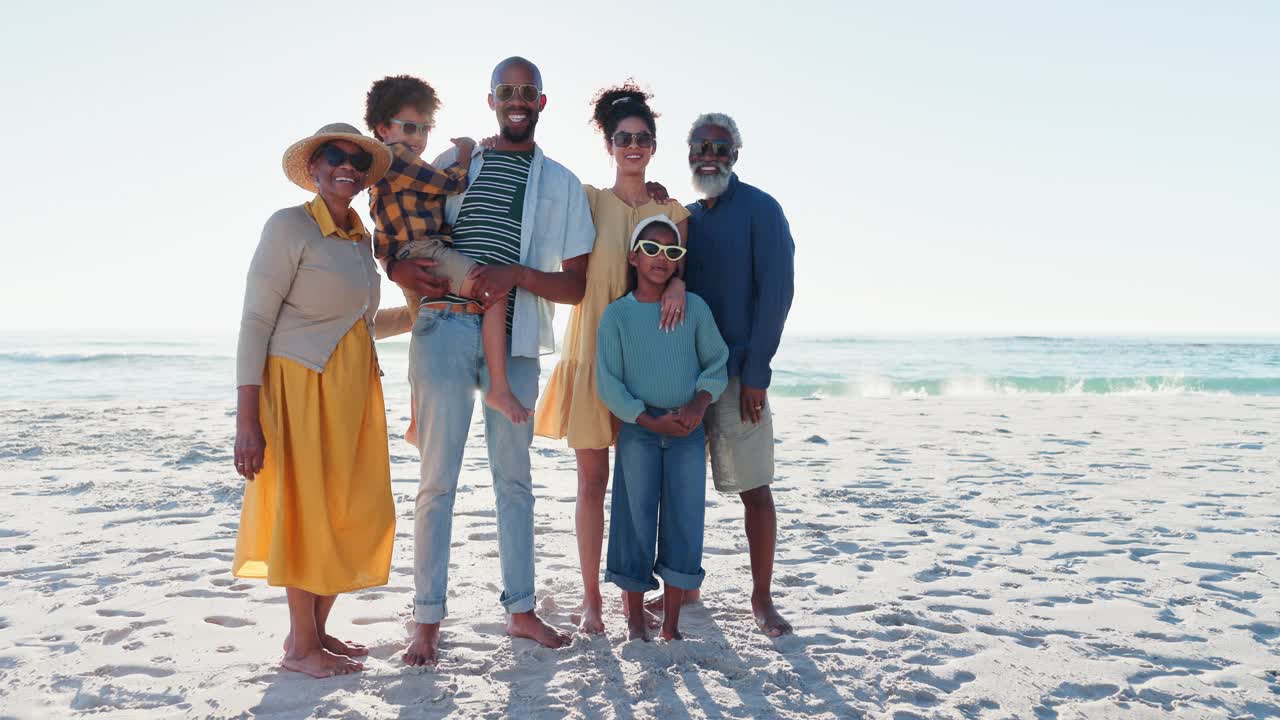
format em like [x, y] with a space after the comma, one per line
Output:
[741, 261]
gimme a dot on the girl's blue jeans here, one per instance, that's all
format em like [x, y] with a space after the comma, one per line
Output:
[659, 499]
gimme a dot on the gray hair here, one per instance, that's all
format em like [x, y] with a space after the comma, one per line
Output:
[719, 120]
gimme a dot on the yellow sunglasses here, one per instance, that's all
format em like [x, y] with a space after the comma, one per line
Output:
[652, 249]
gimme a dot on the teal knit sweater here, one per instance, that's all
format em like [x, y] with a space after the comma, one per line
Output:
[637, 364]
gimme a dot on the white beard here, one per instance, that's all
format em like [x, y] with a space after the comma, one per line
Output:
[710, 186]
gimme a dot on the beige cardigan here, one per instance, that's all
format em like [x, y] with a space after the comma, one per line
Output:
[304, 292]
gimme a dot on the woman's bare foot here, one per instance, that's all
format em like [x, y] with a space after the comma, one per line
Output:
[591, 621]
[529, 625]
[767, 617]
[507, 404]
[424, 646]
[333, 645]
[671, 634]
[320, 663]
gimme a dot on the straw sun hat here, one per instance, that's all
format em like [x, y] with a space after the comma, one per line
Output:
[299, 154]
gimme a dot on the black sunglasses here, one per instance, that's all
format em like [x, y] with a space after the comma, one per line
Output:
[505, 91]
[718, 148]
[336, 156]
[623, 138]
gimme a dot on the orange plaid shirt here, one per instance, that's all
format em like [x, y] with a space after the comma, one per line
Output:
[408, 202]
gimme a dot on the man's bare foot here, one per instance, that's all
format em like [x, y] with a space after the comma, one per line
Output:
[528, 625]
[672, 634]
[507, 404]
[333, 645]
[591, 621]
[768, 619]
[424, 646]
[320, 663]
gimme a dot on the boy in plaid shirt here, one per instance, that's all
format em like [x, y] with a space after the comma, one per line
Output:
[407, 206]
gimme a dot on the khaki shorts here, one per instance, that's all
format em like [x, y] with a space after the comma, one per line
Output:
[450, 263]
[741, 453]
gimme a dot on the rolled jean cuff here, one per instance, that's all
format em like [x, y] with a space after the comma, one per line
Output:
[630, 584]
[429, 613]
[518, 603]
[684, 581]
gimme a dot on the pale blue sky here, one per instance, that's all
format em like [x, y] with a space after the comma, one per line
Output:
[954, 167]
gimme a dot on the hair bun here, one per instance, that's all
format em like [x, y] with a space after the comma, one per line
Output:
[614, 104]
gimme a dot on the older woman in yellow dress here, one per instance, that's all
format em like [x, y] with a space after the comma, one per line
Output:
[311, 435]
[570, 407]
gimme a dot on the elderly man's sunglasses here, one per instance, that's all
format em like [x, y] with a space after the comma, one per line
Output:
[411, 128]
[507, 91]
[336, 156]
[622, 139]
[652, 249]
[717, 148]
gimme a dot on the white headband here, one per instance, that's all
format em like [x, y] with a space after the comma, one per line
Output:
[635, 235]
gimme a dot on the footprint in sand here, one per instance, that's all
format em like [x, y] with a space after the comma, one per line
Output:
[119, 613]
[946, 685]
[228, 621]
[901, 619]
[952, 609]
[122, 670]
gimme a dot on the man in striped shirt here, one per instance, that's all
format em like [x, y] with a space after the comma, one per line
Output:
[525, 219]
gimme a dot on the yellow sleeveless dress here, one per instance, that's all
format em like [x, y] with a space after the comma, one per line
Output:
[320, 516]
[570, 407]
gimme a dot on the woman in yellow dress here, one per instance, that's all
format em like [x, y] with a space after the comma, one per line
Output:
[311, 434]
[570, 407]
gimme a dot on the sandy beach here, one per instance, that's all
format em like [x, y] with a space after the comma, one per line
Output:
[998, 557]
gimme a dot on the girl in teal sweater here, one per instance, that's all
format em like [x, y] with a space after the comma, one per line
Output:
[659, 384]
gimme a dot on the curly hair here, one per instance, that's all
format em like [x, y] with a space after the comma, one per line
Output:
[393, 92]
[612, 105]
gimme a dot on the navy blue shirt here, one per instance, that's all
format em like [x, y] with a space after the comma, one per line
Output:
[741, 261]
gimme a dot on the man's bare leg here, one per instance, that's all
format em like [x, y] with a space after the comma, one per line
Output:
[673, 598]
[588, 521]
[637, 628]
[762, 538]
[528, 625]
[424, 647]
[305, 653]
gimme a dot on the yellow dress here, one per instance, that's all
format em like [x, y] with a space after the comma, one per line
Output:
[570, 407]
[320, 516]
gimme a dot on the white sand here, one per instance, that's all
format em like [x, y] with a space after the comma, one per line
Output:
[1015, 557]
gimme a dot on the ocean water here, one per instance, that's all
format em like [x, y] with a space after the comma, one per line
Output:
[146, 370]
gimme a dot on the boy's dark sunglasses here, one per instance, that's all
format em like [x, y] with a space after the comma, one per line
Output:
[505, 91]
[651, 248]
[718, 148]
[623, 139]
[335, 156]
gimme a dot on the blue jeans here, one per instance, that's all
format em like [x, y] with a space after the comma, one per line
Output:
[446, 367]
[659, 496]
